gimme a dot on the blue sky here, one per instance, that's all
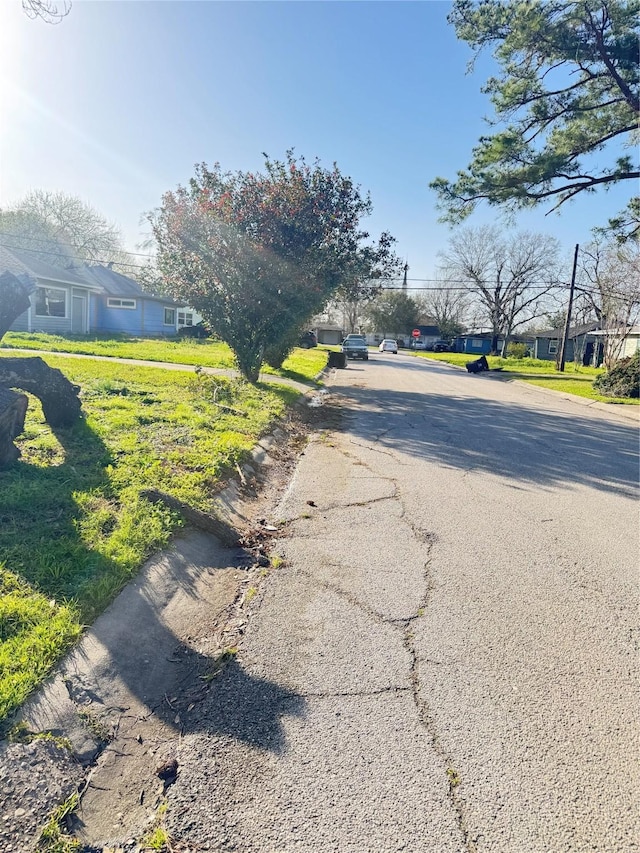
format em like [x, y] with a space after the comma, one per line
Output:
[119, 101]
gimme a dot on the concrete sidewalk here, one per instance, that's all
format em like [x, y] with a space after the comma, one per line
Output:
[166, 365]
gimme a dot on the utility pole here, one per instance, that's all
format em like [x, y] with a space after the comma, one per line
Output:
[404, 280]
[565, 336]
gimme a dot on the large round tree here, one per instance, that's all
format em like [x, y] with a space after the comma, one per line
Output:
[258, 254]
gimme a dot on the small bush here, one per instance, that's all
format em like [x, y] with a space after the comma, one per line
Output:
[516, 350]
[623, 380]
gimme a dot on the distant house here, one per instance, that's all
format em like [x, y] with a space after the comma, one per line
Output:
[91, 299]
[631, 343]
[581, 343]
[123, 306]
[475, 343]
[61, 301]
[428, 336]
[328, 333]
[625, 348]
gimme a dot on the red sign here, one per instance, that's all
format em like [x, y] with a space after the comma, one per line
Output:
[415, 333]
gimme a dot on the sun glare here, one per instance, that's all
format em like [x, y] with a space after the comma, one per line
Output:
[9, 54]
[8, 34]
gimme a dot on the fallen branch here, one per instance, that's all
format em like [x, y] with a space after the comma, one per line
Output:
[59, 397]
[202, 520]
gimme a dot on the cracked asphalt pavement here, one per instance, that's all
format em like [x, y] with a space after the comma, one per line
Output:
[446, 658]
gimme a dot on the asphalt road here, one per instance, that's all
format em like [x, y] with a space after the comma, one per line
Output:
[447, 658]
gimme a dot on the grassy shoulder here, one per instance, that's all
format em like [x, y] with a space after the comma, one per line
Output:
[576, 379]
[302, 365]
[73, 528]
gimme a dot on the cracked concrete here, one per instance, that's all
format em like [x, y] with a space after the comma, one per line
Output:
[445, 657]
[361, 758]
[442, 660]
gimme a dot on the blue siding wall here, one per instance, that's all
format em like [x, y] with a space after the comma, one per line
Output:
[541, 350]
[147, 318]
[473, 346]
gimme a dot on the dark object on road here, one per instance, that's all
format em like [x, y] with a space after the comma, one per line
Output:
[478, 365]
[337, 359]
[167, 769]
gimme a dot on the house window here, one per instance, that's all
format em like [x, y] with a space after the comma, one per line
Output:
[169, 316]
[553, 346]
[477, 343]
[185, 318]
[51, 302]
[121, 303]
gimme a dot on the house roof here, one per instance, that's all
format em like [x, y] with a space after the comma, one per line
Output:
[472, 334]
[20, 261]
[428, 330]
[574, 331]
[629, 331]
[115, 284]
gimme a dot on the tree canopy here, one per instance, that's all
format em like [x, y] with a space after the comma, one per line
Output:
[258, 254]
[608, 288]
[567, 91]
[61, 229]
[393, 312]
[51, 11]
[506, 277]
[371, 267]
[446, 306]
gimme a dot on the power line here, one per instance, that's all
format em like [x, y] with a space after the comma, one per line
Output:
[73, 257]
[52, 240]
[463, 286]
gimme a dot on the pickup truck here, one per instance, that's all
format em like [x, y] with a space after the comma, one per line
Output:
[354, 347]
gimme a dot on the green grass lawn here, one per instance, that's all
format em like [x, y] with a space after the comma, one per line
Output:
[302, 365]
[576, 379]
[73, 528]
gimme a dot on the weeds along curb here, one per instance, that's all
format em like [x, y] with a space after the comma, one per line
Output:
[228, 501]
[64, 704]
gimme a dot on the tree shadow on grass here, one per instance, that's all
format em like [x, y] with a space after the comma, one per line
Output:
[39, 538]
[523, 442]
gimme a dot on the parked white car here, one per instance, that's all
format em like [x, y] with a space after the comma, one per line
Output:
[388, 345]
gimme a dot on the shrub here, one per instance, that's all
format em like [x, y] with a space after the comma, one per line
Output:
[623, 380]
[517, 350]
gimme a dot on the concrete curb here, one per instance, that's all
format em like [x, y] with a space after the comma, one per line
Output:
[53, 693]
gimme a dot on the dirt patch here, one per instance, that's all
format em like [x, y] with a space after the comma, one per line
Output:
[136, 682]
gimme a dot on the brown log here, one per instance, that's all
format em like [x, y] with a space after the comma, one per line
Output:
[14, 298]
[13, 409]
[59, 397]
[202, 520]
